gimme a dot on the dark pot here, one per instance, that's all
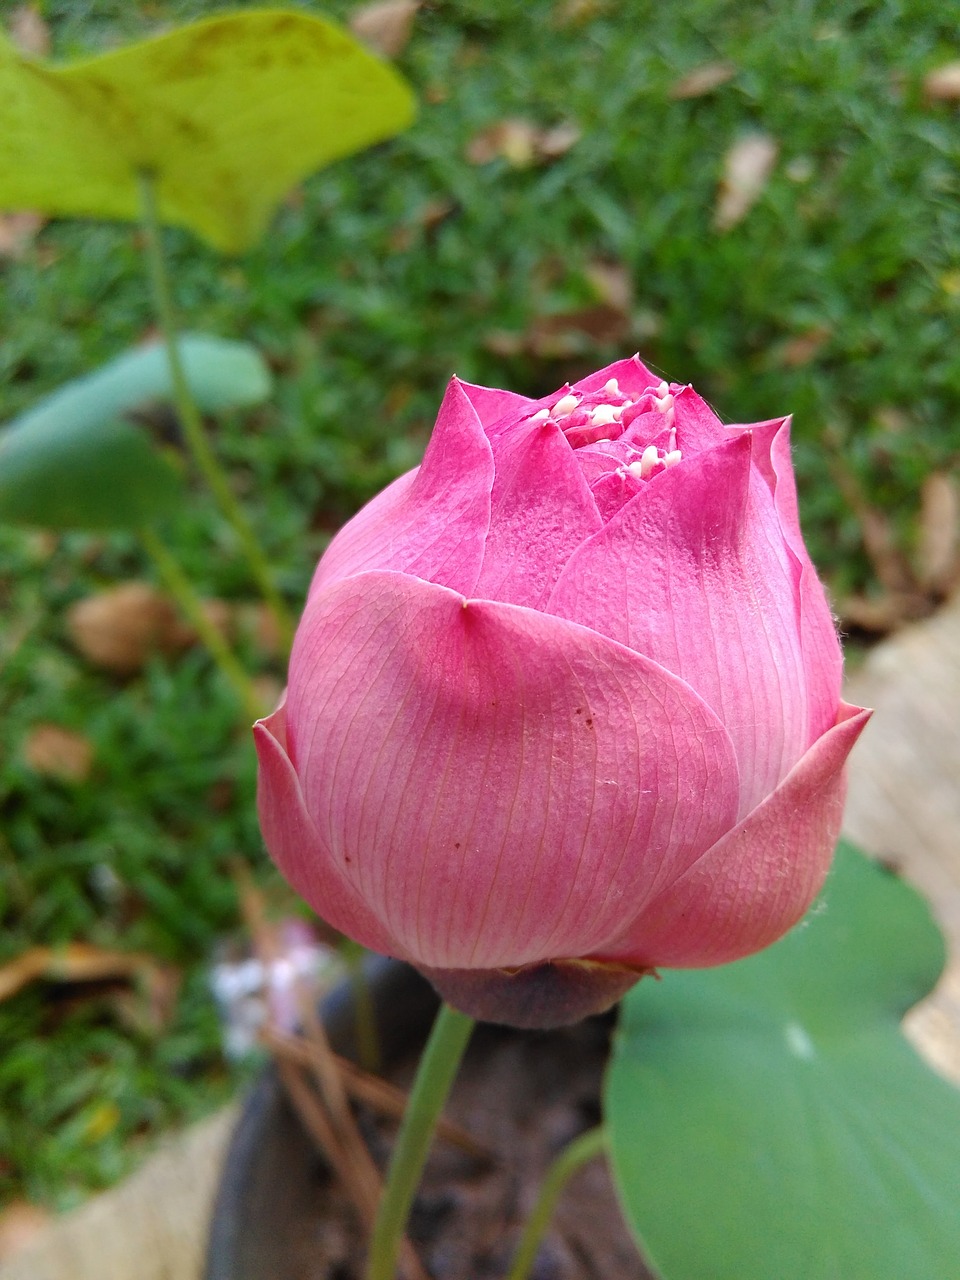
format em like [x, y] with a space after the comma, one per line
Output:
[268, 1185]
[270, 1199]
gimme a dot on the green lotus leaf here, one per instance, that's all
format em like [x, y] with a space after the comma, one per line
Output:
[769, 1119]
[227, 114]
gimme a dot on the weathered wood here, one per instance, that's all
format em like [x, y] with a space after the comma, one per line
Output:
[904, 805]
[904, 798]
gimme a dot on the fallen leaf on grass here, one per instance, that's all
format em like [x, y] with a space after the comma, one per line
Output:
[28, 31]
[556, 336]
[938, 552]
[20, 1223]
[75, 962]
[943, 83]
[385, 28]
[521, 142]
[747, 167]
[54, 752]
[17, 233]
[119, 629]
[613, 284]
[574, 12]
[800, 350]
[702, 80]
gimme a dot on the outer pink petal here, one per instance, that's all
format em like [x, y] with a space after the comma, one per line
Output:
[492, 404]
[500, 786]
[760, 878]
[822, 658]
[632, 376]
[698, 427]
[431, 522]
[694, 573]
[295, 846]
[541, 511]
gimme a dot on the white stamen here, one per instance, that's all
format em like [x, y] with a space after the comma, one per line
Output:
[672, 458]
[673, 440]
[664, 403]
[603, 415]
[648, 460]
[540, 415]
[612, 388]
[663, 388]
[636, 469]
[565, 406]
[617, 411]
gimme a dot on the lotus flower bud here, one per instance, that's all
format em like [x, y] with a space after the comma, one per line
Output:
[564, 703]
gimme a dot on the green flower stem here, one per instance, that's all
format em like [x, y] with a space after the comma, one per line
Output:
[435, 1075]
[191, 420]
[180, 587]
[570, 1159]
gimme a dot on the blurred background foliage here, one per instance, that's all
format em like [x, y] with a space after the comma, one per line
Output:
[561, 201]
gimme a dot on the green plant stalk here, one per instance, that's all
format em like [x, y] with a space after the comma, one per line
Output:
[180, 587]
[191, 419]
[570, 1159]
[435, 1074]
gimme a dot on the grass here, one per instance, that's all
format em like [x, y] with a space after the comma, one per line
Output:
[364, 308]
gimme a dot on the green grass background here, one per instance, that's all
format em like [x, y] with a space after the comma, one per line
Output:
[364, 313]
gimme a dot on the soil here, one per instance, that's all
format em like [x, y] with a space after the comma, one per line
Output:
[526, 1095]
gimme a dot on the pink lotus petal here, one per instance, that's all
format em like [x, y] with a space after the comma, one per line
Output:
[632, 376]
[698, 427]
[492, 404]
[693, 573]
[822, 657]
[541, 510]
[296, 847]
[499, 785]
[431, 522]
[759, 879]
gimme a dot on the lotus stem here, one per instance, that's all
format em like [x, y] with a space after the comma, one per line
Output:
[190, 418]
[435, 1074]
[570, 1159]
[180, 587]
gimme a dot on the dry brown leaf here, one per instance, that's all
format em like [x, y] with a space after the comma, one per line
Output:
[938, 552]
[613, 284]
[565, 334]
[557, 140]
[513, 139]
[220, 615]
[17, 233]
[386, 27]
[702, 80]
[75, 962]
[20, 1223]
[574, 12]
[521, 142]
[800, 350]
[747, 167]
[120, 628]
[943, 83]
[54, 752]
[28, 31]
